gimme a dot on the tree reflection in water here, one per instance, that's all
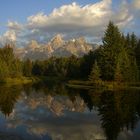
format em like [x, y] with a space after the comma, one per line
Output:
[117, 110]
[8, 97]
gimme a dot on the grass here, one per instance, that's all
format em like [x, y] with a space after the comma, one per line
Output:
[26, 80]
[19, 80]
[81, 84]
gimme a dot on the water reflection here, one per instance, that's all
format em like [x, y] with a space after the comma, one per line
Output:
[119, 111]
[54, 112]
[8, 97]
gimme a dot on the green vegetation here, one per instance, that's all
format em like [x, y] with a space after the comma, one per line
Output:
[115, 63]
[21, 80]
[94, 76]
[10, 66]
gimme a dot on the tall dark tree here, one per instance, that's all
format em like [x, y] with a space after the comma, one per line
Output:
[137, 52]
[118, 74]
[112, 44]
[37, 69]
[128, 41]
[27, 68]
[73, 69]
[123, 68]
[95, 73]
[133, 41]
[87, 62]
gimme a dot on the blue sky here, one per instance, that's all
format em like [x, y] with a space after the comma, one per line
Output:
[37, 16]
[20, 9]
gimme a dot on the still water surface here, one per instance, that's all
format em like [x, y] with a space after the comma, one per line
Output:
[54, 112]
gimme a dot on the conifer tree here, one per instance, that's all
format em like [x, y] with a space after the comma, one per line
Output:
[137, 52]
[123, 72]
[128, 41]
[27, 68]
[118, 74]
[133, 41]
[95, 73]
[112, 44]
[4, 72]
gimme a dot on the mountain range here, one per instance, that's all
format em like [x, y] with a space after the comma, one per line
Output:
[55, 47]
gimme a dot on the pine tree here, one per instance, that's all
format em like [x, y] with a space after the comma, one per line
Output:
[131, 45]
[27, 68]
[131, 50]
[112, 44]
[4, 72]
[128, 41]
[137, 54]
[126, 70]
[118, 74]
[133, 41]
[95, 73]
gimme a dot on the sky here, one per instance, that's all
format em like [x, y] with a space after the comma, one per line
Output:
[25, 20]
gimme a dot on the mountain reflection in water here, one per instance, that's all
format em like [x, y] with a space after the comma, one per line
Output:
[54, 112]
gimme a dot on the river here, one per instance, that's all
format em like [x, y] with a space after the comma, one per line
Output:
[55, 112]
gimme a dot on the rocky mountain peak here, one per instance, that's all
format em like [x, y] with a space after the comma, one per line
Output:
[57, 41]
[33, 44]
[56, 47]
[81, 40]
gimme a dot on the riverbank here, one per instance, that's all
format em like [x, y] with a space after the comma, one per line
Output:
[81, 84]
[20, 80]
[102, 84]
[33, 79]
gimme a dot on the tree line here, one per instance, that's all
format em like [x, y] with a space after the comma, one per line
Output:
[117, 59]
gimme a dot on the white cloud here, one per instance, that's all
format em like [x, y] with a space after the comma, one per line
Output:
[10, 35]
[74, 20]
[136, 4]
[123, 16]
[14, 26]
[37, 21]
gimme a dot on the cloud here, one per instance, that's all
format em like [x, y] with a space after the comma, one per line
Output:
[69, 17]
[123, 17]
[74, 20]
[136, 4]
[11, 35]
[14, 26]
[135, 8]
[8, 37]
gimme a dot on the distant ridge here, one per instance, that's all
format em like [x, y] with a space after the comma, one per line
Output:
[55, 47]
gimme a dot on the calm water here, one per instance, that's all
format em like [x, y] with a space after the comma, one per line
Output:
[54, 112]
